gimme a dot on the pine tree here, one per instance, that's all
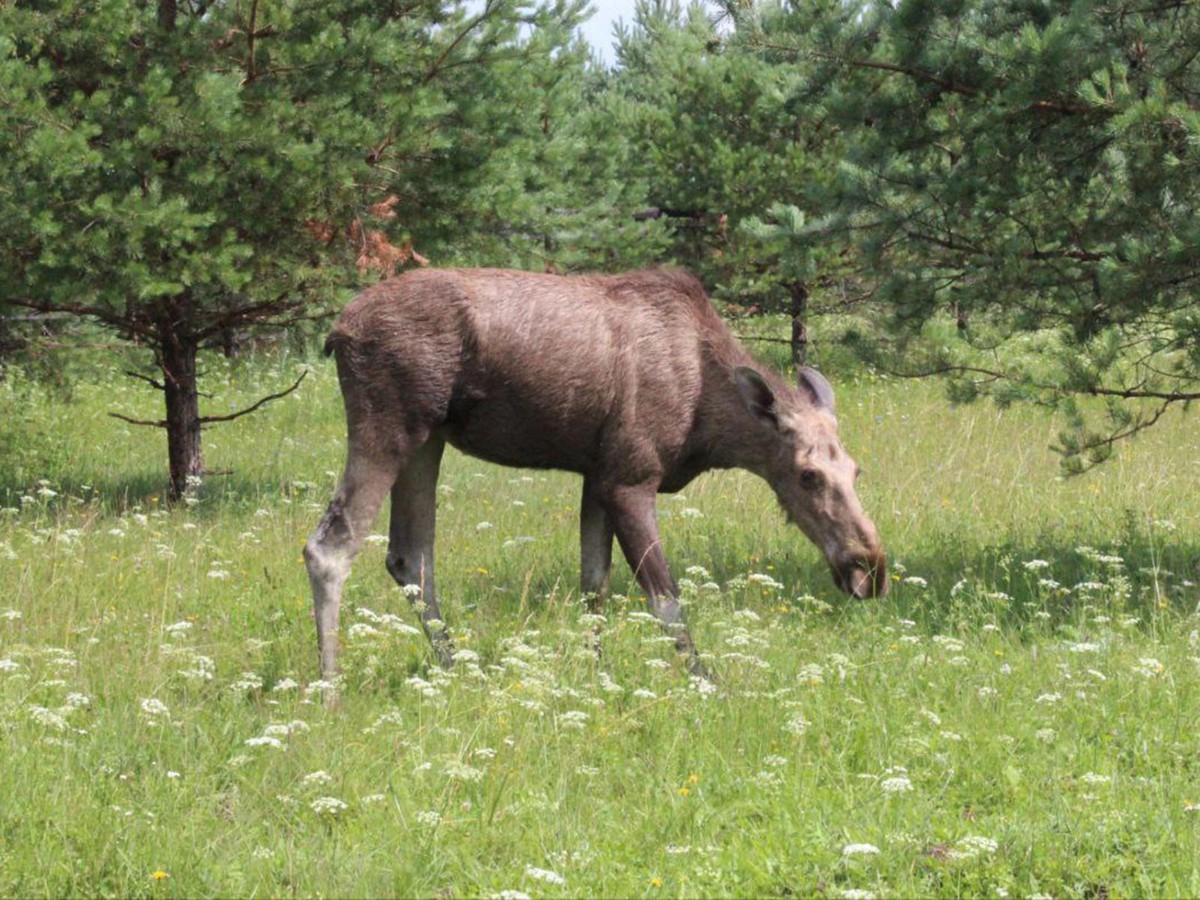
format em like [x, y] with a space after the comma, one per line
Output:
[734, 153]
[178, 169]
[1024, 178]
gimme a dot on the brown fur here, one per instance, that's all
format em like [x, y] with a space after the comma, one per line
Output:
[631, 380]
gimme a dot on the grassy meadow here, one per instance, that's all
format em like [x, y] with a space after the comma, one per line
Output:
[1018, 717]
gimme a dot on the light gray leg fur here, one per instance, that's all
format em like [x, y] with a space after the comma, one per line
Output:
[338, 538]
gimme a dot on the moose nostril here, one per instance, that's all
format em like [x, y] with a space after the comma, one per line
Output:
[860, 583]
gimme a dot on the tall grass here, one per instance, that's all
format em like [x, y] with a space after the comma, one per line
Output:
[1018, 716]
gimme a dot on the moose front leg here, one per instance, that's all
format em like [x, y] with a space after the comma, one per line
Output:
[410, 541]
[631, 510]
[338, 538]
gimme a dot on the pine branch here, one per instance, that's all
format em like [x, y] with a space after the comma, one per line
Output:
[440, 63]
[963, 90]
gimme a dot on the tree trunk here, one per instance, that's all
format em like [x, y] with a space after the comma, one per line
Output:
[177, 359]
[799, 311]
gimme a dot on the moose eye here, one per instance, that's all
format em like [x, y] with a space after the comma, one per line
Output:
[810, 479]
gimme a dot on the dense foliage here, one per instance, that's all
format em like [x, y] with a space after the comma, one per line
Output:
[973, 179]
[1030, 168]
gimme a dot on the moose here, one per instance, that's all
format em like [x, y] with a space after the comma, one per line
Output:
[633, 381]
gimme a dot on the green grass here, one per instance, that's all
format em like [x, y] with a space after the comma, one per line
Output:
[993, 725]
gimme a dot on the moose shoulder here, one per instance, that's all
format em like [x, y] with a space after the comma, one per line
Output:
[633, 381]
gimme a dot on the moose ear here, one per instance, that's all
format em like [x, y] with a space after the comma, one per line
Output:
[756, 395]
[814, 384]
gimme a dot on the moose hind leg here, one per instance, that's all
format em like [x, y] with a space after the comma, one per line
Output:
[595, 547]
[336, 541]
[411, 538]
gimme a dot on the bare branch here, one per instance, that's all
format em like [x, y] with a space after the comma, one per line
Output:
[121, 322]
[208, 420]
[159, 423]
[1137, 393]
[157, 385]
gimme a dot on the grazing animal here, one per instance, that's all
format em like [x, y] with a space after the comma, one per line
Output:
[633, 381]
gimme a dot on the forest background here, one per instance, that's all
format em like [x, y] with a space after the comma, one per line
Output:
[998, 191]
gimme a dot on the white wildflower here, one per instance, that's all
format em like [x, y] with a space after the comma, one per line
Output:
[178, 629]
[763, 579]
[154, 710]
[796, 725]
[328, 806]
[973, 845]
[318, 777]
[1095, 778]
[896, 784]
[1149, 668]
[49, 718]
[202, 668]
[547, 875]
[859, 850]
[8, 665]
[574, 718]
[250, 681]
[264, 741]
[462, 772]
[949, 644]
[811, 673]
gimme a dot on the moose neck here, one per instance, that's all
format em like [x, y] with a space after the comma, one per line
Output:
[728, 436]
